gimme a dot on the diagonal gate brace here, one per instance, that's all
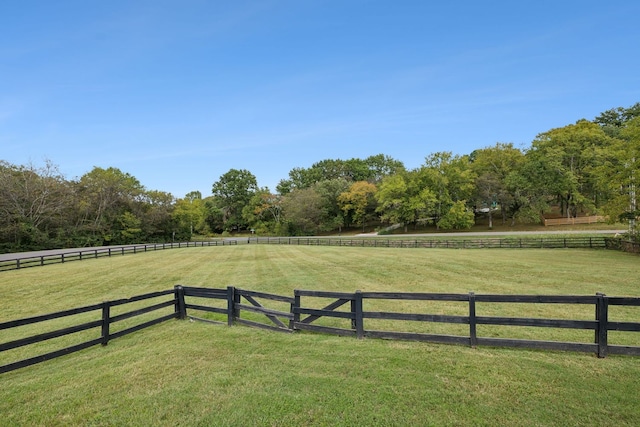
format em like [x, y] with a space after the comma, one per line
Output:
[332, 306]
[274, 319]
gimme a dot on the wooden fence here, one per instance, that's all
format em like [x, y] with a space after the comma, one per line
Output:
[573, 221]
[597, 242]
[65, 255]
[601, 324]
[350, 307]
[234, 302]
[309, 311]
[622, 245]
[99, 326]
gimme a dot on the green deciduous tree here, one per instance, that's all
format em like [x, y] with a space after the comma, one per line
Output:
[155, 211]
[372, 169]
[620, 174]
[129, 229]
[492, 166]
[458, 217]
[404, 198]
[35, 206]
[612, 121]
[303, 213]
[189, 216]
[570, 156]
[263, 213]
[380, 166]
[359, 202]
[531, 186]
[329, 191]
[232, 192]
[450, 179]
[104, 195]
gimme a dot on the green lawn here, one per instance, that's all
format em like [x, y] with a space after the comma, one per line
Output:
[192, 373]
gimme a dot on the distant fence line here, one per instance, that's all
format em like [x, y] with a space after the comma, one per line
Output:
[597, 242]
[66, 255]
[623, 245]
[349, 307]
[573, 221]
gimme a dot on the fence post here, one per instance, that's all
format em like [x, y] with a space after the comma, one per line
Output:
[181, 306]
[602, 317]
[359, 319]
[354, 322]
[294, 310]
[473, 337]
[597, 329]
[106, 318]
[231, 309]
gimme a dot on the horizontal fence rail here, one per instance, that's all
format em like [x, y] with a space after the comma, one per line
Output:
[66, 255]
[573, 221]
[345, 314]
[597, 242]
[350, 307]
[357, 313]
[103, 320]
[236, 301]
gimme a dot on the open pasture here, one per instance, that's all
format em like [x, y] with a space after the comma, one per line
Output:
[185, 373]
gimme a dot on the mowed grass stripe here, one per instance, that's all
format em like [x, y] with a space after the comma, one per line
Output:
[199, 375]
[281, 269]
[185, 373]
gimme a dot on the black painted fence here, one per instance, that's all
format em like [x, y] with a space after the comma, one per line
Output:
[66, 255]
[302, 313]
[100, 324]
[598, 242]
[601, 324]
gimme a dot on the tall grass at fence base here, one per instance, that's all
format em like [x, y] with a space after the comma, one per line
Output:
[186, 373]
[192, 373]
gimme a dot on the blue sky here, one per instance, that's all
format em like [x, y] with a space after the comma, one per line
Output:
[176, 93]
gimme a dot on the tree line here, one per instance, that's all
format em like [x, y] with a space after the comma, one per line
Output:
[589, 167]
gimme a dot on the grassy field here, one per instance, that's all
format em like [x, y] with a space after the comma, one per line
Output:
[192, 373]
